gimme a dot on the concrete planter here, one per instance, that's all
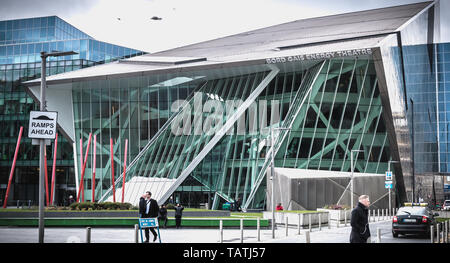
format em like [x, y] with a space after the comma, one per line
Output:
[336, 215]
[295, 218]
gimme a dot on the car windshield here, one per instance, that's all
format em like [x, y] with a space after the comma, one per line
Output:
[412, 211]
[447, 202]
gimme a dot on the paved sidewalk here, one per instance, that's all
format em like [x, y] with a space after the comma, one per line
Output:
[185, 235]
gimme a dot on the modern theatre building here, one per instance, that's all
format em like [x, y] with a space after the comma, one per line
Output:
[326, 96]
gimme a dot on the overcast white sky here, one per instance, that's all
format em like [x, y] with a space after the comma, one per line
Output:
[187, 21]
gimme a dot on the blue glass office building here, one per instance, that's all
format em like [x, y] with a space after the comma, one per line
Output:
[21, 42]
[357, 94]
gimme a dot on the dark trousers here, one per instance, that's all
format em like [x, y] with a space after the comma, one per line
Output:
[163, 219]
[178, 221]
[147, 233]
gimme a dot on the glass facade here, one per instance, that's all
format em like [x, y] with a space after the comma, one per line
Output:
[21, 42]
[332, 108]
[443, 99]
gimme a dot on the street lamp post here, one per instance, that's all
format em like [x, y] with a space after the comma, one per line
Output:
[389, 169]
[272, 173]
[43, 107]
[352, 190]
[414, 163]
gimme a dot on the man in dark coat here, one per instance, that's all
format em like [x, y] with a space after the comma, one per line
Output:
[163, 215]
[360, 221]
[178, 214]
[148, 208]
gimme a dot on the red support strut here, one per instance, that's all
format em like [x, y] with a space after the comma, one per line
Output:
[93, 170]
[124, 170]
[112, 169]
[13, 167]
[54, 169]
[84, 168]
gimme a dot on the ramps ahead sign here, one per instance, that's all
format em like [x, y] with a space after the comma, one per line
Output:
[42, 125]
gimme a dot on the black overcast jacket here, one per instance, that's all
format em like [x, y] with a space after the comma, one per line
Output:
[360, 224]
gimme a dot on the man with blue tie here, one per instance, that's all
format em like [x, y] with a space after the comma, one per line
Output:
[148, 208]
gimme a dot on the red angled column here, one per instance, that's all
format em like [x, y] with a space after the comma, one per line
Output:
[46, 175]
[83, 169]
[112, 169]
[81, 162]
[54, 169]
[124, 170]
[93, 170]
[13, 167]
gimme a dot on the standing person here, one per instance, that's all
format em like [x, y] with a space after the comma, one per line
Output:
[163, 215]
[71, 200]
[148, 208]
[279, 207]
[178, 214]
[237, 205]
[360, 221]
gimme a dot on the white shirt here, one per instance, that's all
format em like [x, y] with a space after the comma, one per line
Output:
[148, 206]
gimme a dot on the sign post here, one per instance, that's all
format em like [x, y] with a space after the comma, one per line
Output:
[149, 222]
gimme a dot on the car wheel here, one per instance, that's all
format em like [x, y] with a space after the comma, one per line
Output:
[394, 234]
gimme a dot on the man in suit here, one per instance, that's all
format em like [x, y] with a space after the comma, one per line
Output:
[148, 208]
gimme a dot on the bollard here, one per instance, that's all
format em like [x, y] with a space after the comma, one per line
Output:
[339, 219]
[378, 214]
[308, 238]
[382, 214]
[329, 221]
[438, 233]
[221, 230]
[432, 234]
[368, 215]
[299, 223]
[287, 226]
[136, 233]
[378, 235]
[88, 235]
[393, 212]
[258, 228]
[242, 230]
[320, 221]
[309, 222]
[345, 217]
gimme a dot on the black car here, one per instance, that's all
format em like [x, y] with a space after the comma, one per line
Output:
[413, 220]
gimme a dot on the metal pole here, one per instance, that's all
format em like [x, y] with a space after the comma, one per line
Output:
[221, 231]
[299, 223]
[308, 238]
[93, 169]
[378, 235]
[272, 174]
[287, 226]
[345, 217]
[438, 232]
[242, 230]
[320, 221]
[432, 234]
[329, 221]
[309, 222]
[258, 228]
[136, 233]
[351, 180]
[88, 235]
[42, 149]
[339, 219]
